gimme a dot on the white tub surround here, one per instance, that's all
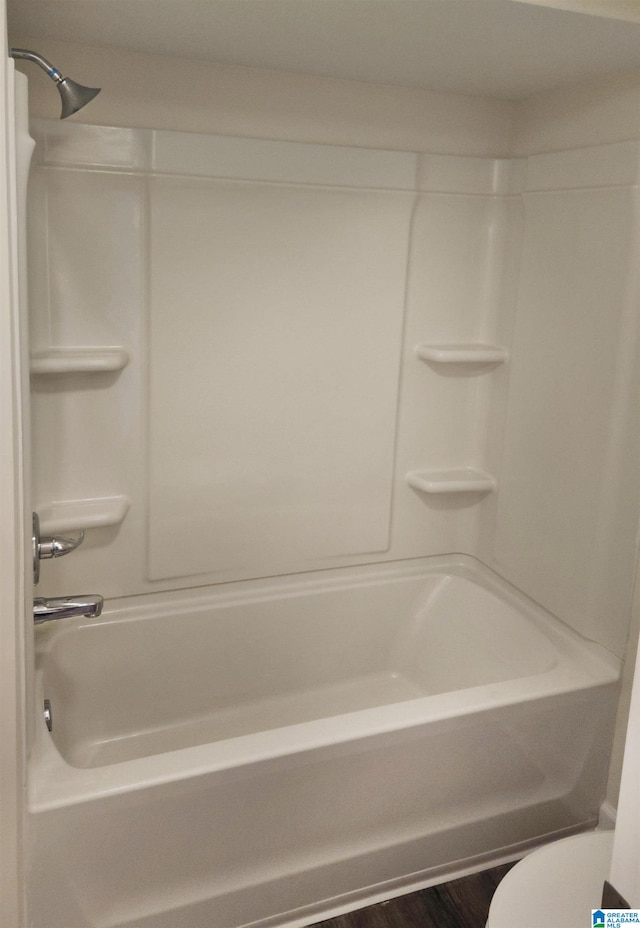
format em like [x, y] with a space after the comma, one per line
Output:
[567, 511]
[236, 335]
[285, 749]
[287, 357]
[322, 366]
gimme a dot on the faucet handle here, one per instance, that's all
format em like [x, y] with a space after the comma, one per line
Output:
[50, 546]
[58, 545]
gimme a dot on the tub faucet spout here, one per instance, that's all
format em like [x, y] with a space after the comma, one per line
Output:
[45, 610]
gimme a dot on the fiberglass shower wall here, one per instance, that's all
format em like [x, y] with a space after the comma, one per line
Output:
[567, 512]
[244, 347]
[260, 303]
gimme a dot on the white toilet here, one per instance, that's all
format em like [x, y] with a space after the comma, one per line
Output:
[563, 880]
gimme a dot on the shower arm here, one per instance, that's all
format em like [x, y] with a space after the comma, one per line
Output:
[24, 53]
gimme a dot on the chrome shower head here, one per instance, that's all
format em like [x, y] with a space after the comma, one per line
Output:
[74, 96]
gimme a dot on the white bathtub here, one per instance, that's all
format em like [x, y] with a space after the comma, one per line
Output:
[275, 752]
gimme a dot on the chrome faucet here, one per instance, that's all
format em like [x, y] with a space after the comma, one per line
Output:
[59, 607]
[63, 607]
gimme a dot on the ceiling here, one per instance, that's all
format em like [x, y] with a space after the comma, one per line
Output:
[497, 48]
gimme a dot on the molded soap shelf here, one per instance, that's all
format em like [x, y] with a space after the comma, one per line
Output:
[462, 354]
[76, 514]
[78, 360]
[460, 480]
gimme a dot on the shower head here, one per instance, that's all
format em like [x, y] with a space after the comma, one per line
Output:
[74, 96]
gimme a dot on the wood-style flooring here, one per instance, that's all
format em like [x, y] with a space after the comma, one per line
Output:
[462, 903]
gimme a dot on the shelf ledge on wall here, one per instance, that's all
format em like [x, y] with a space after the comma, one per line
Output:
[462, 354]
[78, 514]
[459, 480]
[78, 360]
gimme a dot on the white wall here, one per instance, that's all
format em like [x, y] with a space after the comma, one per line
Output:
[295, 410]
[578, 117]
[148, 91]
[567, 514]
[15, 570]
[109, 255]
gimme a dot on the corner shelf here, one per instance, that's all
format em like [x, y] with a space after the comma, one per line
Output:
[78, 360]
[471, 354]
[458, 480]
[77, 514]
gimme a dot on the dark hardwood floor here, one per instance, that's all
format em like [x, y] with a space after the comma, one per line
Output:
[462, 903]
